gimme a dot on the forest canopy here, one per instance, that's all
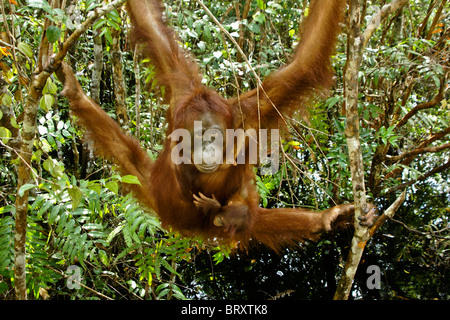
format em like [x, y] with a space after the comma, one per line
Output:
[68, 231]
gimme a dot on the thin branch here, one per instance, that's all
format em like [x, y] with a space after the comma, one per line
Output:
[431, 234]
[437, 17]
[425, 143]
[355, 49]
[438, 98]
[92, 18]
[388, 213]
[424, 176]
[379, 17]
[417, 151]
[354, 56]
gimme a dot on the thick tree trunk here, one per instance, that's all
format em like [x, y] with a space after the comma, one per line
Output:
[25, 177]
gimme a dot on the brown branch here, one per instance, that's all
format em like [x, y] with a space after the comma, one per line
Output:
[417, 151]
[425, 105]
[425, 143]
[388, 213]
[441, 168]
[424, 23]
[436, 19]
[421, 233]
[354, 56]
[241, 26]
[380, 16]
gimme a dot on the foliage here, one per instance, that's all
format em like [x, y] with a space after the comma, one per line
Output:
[79, 216]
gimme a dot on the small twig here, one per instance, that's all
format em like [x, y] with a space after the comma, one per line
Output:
[35, 175]
[440, 168]
[431, 234]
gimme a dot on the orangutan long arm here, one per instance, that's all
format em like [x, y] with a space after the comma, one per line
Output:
[310, 71]
[174, 69]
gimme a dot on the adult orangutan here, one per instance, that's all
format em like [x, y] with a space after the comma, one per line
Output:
[214, 198]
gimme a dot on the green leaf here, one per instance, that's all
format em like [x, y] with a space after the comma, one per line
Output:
[75, 195]
[57, 171]
[46, 102]
[103, 257]
[53, 214]
[5, 134]
[92, 6]
[115, 232]
[96, 187]
[207, 32]
[127, 237]
[131, 179]
[113, 186]
[217, 54]
[25, 49]
[25, 188]
[261, 4]
[39, 4]
[53, 34]
[44, 208]
[7, 209]
[6, 100]
[50, 87]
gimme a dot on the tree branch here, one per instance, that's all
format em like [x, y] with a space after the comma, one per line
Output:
[425, 143]
[417, 151]
[425, 105]
[388, 213]
[379, 17]
[441, 168]
[354, 55]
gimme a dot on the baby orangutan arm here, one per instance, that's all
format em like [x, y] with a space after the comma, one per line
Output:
[233, 217]
[209, 206]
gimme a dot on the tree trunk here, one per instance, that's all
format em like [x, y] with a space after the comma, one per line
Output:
[137, 101]
[354, 55]
[356, 44]
[119, 83]
[98, 67]
[24, 177]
